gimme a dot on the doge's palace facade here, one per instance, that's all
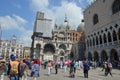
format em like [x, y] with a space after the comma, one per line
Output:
[102, 30]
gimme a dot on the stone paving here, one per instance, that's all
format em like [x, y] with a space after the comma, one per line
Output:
[95, 74]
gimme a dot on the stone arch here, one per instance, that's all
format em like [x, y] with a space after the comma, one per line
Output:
[37, 50]
[114, 55]
[62, 54]
[49, 48]
[104, 56]
[89, 56]
[114, 35]
[96, 56]
[104, 38]
[62, 46]
[116, 6]
[38, 46]
[109, 37]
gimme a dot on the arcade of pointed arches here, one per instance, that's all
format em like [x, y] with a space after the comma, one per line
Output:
[103, 55]
[107, 35]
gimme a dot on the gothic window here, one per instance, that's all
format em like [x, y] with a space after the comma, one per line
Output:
[96, 40]
[114, 36]
[116, 6]
[100, 39]
[95, 19]
[109, 37]
[104, 37]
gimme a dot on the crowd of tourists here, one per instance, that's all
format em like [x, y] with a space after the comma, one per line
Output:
[16, 69]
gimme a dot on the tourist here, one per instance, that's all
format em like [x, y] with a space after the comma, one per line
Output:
[23, 70]
[2, 69]
[85, 69]
[72, 69]
[65, 65]
[56, 67]
[13, 69]
[35, 70]
[109, 69]
[49, 65]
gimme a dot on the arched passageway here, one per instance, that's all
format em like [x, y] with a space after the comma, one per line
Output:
[62, 53]
[49, 48]
[104, 56]
[89, 56]
[62, 46]
[114, 55]
[96, 56]
[37, 50]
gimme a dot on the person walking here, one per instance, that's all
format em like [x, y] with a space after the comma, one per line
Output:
[85, 69]
[65, 65]
[49, 65]
[2, 69]
[56, 67]
[23, 70]
[72, 69]
[35, 70]
[109, 69]
[13, 69]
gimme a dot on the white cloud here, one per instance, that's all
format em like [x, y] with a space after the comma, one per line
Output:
[19, 19]
[12, 22]
[16, 22]
[39, 4]
[26, 38]
[74, 12]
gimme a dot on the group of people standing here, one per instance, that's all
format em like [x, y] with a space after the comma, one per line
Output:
[19, 69]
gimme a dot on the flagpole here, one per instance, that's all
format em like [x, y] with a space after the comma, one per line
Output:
[0, 41]
[0, 33]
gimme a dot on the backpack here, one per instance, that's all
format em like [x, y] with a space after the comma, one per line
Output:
[14, 67]
[75, 65]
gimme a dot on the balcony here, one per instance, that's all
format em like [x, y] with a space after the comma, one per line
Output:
[105, 45]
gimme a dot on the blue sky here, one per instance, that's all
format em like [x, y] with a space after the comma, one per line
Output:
[17, 16]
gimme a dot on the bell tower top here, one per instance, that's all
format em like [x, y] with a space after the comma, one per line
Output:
[40, 15]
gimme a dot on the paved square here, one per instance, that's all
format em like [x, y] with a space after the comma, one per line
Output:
[95, 74]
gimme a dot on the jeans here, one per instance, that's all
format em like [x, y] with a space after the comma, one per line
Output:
[14, 77]
[24, 77]
[49, 70]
